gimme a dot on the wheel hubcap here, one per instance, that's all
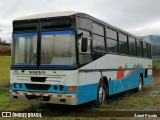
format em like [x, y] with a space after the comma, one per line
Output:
[101, 94]
[140, 85]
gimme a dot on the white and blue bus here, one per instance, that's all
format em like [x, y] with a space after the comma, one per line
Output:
[73, 58]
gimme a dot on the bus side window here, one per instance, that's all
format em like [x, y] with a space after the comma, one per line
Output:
[84, 57]
[132, 46]
[149, 51]
[98, 41]
[112, 45]
[139, 48]
[123, 44]
[145, 50]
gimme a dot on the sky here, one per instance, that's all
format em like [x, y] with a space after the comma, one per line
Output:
[139, 17]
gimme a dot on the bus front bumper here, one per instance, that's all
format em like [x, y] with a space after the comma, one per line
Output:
[68, 99]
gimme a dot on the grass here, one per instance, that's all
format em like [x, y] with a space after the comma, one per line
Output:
[5, 62]
[130, 100]
[5, 103]
[156, 64]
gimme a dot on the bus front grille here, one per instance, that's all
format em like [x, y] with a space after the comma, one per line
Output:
[38, 98]
[37, 86]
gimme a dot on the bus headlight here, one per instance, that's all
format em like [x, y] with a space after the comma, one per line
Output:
[61, 87]
[55, 87]
[16, 85]
[20, 85]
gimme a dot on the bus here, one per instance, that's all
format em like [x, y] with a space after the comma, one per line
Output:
[73, 58]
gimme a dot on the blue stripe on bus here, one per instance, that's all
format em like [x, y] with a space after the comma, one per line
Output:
[87, 93]
[24, 35]
[46, 66]
[23, 65]
[50, 90]
[57, 66]
[117, 86]
[58, 32]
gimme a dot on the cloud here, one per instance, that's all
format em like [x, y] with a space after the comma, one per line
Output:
[133, 16]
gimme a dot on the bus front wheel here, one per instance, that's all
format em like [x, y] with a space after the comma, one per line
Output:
[101, 95]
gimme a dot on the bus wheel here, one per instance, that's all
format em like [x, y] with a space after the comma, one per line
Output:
[140, 84]
[101, 95]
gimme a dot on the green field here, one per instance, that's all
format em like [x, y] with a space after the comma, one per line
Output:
[4, 68]
[148, 99]
[5, 103]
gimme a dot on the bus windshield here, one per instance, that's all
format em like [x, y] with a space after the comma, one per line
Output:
[58, 48]
[25, 49]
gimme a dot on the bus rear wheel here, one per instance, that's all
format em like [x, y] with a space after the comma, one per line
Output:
[140, 85]
[101, 95]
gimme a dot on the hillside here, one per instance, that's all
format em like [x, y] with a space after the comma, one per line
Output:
[155, 39]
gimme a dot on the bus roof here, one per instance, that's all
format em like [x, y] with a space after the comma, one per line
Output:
[47, 15]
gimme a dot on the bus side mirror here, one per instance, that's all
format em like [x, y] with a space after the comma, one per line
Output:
[84, 45]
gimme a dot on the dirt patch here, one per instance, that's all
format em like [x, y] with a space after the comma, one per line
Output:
[4, 84]
[156, 73]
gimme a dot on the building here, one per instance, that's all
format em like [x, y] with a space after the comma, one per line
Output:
[5, 49]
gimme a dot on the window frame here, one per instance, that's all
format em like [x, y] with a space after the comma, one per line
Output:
[117, 46]
[139, 47]
[135, 46]
[127, 43]
[103, 36]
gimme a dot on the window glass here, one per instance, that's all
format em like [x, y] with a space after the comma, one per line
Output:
[58, 48]
[98, 43]
[139, 51]
[112, 45]
[122, 37]
[123, 44]
[84, 57]
[145, 49]
[25, 49]
[132, 46]
[139, 48]
[97, 29]
[149, 51]
[111, 34]
[57, 24]
[123, 47]
[84, 23]
[145, 45]
[139, 43]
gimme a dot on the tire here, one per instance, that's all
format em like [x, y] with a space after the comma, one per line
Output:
[101, 95]
[140, 84]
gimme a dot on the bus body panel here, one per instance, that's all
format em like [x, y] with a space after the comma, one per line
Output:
[122, 72]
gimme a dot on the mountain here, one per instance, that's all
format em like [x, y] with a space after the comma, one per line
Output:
[155, 39]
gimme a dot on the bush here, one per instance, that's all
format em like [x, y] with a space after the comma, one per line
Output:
[156, 64]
